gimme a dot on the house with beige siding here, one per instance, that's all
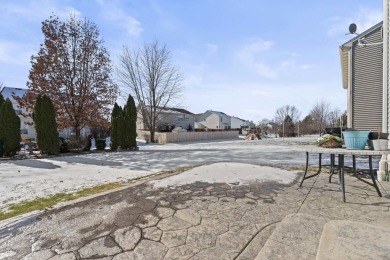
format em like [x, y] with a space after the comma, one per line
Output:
[169, 118]
[238, 123]
[214, 120]
[362, 77]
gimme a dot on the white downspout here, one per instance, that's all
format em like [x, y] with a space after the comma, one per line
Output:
[385, 100]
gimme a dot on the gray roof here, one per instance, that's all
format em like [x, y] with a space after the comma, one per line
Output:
[175, 110]
[357, 37]
[218, 113]
[8, 92]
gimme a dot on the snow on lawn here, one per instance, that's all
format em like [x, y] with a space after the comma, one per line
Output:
[237, 173]
[29, 179]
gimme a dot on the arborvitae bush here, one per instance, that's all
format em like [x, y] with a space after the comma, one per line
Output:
[9, 128]
[117, 128]
[1, 100]
[130, 118]
[44, 117]
[116, 111]
[1, 138]
[49, 120]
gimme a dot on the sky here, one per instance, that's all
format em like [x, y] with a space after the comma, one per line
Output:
[245, 58]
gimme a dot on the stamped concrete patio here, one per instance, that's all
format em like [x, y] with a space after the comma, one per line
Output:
[193, 221]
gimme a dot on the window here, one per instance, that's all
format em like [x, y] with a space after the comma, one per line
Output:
[221, 119]
[182, 118]
[23, 131]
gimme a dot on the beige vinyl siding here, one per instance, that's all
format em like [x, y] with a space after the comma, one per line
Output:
[367, 84]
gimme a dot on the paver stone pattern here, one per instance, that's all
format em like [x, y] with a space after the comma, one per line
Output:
[194, 221]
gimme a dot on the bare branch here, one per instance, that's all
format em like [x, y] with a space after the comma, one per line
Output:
[148, 75]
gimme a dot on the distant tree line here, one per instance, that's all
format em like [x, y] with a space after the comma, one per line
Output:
[287, 120]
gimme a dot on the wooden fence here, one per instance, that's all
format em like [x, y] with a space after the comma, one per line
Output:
[164, 138]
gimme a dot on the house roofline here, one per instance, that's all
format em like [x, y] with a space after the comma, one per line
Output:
[349, 43]
[345, 54]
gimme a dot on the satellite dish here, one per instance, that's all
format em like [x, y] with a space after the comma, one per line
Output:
[352, 28]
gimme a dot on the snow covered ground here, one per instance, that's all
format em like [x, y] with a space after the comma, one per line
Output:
[231, 173]
[28, 179]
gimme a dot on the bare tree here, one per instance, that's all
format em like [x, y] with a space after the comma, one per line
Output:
[73, 68]
[149, 75]
[283, 112]
[320, 114]
[264, 125]
[334, 117]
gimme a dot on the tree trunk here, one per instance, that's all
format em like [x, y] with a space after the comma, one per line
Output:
[151, 135]
[77, 130]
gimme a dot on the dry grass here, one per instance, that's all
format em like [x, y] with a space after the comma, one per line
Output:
[43, 203]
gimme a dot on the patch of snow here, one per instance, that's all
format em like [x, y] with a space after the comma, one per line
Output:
[240, 173]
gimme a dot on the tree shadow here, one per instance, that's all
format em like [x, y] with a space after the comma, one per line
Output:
[35, 164]
[87, 161]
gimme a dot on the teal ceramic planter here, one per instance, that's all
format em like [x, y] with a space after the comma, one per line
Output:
[355, 140]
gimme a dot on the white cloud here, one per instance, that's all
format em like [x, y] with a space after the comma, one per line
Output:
[287, 63]
[293, 54]
[15, 53]
[32, 11]
[249, 56]
[264, 70]
[364, 18]
[262, 93]
[114, 14]
[212, 48]
[165, 20]
[306, 66]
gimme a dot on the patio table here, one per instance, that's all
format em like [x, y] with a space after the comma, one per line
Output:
[341, 152]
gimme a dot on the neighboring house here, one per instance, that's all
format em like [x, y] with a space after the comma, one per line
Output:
[214, 120]
[168, 119]
[362, 76]
[238, 123]
[27, 130]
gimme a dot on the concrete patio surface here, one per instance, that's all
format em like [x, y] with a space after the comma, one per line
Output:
[192, 221]
[29, 179]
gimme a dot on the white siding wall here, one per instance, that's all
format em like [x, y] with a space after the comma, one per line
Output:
[237, 123]
[212, 122]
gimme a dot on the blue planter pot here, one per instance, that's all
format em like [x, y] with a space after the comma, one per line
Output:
[355, 140]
